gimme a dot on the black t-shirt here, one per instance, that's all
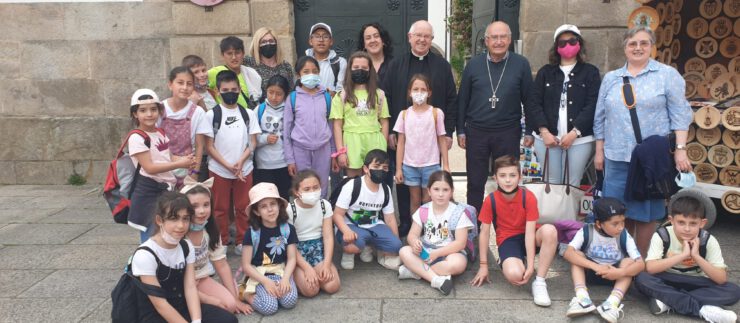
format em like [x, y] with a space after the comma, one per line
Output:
[272, 248]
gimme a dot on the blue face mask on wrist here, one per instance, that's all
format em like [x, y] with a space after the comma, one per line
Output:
[686, 180]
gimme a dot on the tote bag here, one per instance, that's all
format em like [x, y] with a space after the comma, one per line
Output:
[556, 202]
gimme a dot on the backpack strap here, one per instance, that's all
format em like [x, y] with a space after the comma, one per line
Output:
[193, 106]
[662, 232]
[457, 214]
[216, 119]
[623, 243]
[255, 234]
[327, 97]
[356, 187]
[588, 236]
[261, 112]
[285, 231]
[292, 102]
[703, 239]
[323, 209]
[423, 214]
[334, 63]
[245, 115]
[148, 289]
[386, 196]
[494, 214]
[185, 249]
[295, 211]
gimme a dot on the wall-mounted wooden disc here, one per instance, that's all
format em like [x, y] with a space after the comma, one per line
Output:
[731, 201]
[710, 8]
[720, 27]
[732, 8]
[697, 28]
[708, 118]
[730, 47]
[733, 67]
[706, 47]
[703, 88]
[694, 64]
[706, 173]
[669, 12]
[696, 152]
[731, 118]
[666, 56]
[714, 71]
[722, 88]
[731, 139]
[676, 23]
[660, 8]
[667, 35]
[676, 49]
[730, 176]
[690, 89]
[721, 156]
[677, 6]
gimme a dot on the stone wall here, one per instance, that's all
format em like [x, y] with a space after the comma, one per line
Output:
[602, 23]
[67, 71]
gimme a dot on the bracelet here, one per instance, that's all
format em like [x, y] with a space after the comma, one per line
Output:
[343, 150]
[484, 262]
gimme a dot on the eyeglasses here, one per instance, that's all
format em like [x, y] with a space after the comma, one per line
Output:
[642, 43]
[497, 37]
[570, 41]
[321, 37]
[423, 36]
[268, 42]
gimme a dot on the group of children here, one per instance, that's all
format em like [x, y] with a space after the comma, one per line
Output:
[213, 138]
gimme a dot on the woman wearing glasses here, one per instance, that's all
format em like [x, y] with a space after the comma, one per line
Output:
[267, 59]
[660, 107]
[563, 103]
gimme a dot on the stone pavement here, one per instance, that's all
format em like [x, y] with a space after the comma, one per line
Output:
[61, 254]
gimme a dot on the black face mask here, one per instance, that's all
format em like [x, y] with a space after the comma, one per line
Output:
[505, 192]
[360, 76]
[378, 175]
[230, 98]
[268, 51]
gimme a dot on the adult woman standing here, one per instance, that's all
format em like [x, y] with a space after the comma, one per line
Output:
[661, 108]
[376, 41]
[563, 103]
[266, 58]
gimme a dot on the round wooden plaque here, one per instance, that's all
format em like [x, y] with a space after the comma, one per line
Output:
[706, 173]
[706, 47]
[714, 71]
[676, 49]
[730, 176]
[732, 8]
[730, 47]
[722, 88]
[697, 28]
[731, 118]
[731, 201]
[696, 152]
[734, 66]
[721, 156]
[691, 133]
[710, 8]
[702, 89]
[720, 27]
[708, 118]
[690, 91]
[731, 139]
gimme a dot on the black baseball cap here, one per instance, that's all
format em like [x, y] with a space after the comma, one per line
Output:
[605, 208]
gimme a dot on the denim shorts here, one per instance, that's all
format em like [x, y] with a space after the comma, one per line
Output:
[312, 250]
[380, 236]
[418, 176]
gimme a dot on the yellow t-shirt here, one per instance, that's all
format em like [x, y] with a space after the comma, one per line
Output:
[714, 254]
[360, 119]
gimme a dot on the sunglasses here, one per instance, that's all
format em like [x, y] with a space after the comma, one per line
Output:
[571, 41]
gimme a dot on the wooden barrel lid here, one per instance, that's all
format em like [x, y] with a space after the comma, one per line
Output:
[692, 133]
[720, 27]
[702, 89]
[721, 156]
[714, 71]
[731, 201]
[731, 139]
[676, 23]
[730, 176]
[730, 47]
[697, 28]
[696, 153]
[708, 117]
[732, 8]
[706, 173]
[706, 47]
[644, 16]
[710, 8]
[722, 88]
[731, 118]
[676, 49]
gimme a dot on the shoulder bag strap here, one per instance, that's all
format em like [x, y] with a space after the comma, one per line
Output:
[628, 96]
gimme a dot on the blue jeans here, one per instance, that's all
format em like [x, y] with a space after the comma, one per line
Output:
[578, 157]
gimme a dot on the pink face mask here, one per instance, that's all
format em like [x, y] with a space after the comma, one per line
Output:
[569, 51]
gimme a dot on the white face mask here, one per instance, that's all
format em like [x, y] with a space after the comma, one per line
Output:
[311, 198]
[167, 237]
[419, 97]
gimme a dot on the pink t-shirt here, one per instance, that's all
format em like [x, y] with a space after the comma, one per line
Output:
[159, 152]
[421, 136]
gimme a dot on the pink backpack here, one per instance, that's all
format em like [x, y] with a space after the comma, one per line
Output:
[460, 209]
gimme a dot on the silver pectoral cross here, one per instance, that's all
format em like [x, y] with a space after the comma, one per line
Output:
[493, 101]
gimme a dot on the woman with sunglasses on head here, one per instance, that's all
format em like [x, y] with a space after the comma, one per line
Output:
[564, 99]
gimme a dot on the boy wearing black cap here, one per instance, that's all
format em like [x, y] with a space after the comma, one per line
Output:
[603, 253]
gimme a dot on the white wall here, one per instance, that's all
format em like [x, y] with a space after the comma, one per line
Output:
[438, 11]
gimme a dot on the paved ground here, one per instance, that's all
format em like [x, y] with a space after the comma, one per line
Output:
[61, 254]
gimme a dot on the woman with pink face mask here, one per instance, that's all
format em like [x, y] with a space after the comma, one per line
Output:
[564, 98]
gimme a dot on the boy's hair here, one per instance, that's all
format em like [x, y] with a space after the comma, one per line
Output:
[280, 81]
[687, 206]
[180, 70]
[300, 177]
[423, 78]
[376, 155]
[168, 205]
[371, 86]
[211, 226]
[226, 76]
[191, 61]
[255, 220]
[505, 161]
[231, 42]
[135, 107]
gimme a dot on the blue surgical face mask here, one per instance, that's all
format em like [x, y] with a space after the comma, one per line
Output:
[685, 180]
[198, 227]
[310, 80]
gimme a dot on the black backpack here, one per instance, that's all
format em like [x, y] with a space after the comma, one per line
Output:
[494, 214]
[666, 238]
[334, 64]
[217, 112]
[589, 230]
[356, 187]
[130, 291]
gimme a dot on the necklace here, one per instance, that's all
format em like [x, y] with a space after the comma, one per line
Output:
[493, 98]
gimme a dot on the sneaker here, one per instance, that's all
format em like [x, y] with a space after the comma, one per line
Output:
[390, 262]
[348, 261]
[367, 254]
[238, 250]
[716, 314]
[657, 307]
[609, 313]
[443, 283]
[577, 308]
[405, 273]
[539, 292]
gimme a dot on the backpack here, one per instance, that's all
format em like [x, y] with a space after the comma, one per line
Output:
[334, 63]
[120, 180]
[327, 96]
[130, 291]
[356, 187]
[704, 235]
[434, 115]
[217, 112]
[457, 213]
[494, 215]
[240, 277]
[589, 230]
[295, 211]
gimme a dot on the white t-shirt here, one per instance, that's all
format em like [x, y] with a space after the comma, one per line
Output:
[435, 231]
[196, 126]
[713, 256]
[144, 263]
[605, 250]
[309, 222]
[159, 152]
[367, 209]
[208, 100]
[204, 256]
[231, 140]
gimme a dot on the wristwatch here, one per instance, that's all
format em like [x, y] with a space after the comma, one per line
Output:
[578, 132]
[680, 147]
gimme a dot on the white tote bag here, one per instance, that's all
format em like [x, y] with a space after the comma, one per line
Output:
[556, 201]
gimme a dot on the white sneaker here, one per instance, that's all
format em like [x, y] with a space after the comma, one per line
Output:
[716, 314]
[657, 307]
[367, 254]
[348, 261]
[390, 262]
[405, 273]
[443, 283]
[539, 292]
[576, 308]
[238, 250]
[609, 313]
